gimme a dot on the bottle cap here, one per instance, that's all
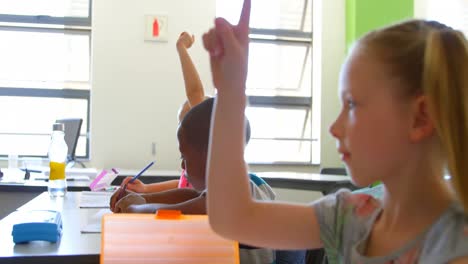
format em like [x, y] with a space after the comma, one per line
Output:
[58, 127]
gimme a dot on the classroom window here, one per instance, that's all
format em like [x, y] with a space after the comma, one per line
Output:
[44, 72]
[279, 83]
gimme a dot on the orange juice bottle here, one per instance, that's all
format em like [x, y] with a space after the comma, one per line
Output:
[57, 159]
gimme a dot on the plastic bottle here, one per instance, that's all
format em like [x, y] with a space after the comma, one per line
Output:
[12, 160]
[57, 160]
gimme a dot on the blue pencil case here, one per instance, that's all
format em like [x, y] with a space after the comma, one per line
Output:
[45, 225]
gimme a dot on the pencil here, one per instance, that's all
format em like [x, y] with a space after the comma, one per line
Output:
[122, 190]
[141, 172]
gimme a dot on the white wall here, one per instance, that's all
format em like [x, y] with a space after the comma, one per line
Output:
[420, 8]
[137, 86]
[329, 54]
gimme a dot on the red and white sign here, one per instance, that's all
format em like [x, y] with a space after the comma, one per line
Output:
[156, 28]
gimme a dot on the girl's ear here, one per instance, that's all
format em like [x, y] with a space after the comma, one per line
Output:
[422, 125]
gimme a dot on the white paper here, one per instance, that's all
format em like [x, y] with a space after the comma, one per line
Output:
[93, 224]
[95, 199]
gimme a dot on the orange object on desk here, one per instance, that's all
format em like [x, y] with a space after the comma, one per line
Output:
[167, 237]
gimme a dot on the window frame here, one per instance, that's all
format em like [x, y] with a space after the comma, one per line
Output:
[45, 23]
[287, 37]
[285, 102]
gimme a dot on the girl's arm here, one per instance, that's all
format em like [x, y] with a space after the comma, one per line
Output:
[462, 260]
[171, 196]
[196, 205]
[231, 210]
[140, 187]
[161, 186]
[193, 85]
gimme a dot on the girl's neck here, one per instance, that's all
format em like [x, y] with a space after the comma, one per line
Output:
[412, 202]
[416, 193]
[415, 202]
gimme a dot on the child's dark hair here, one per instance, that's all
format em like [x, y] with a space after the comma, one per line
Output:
[195, 126]
[431, 59]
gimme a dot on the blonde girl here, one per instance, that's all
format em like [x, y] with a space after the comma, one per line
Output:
[404, 119]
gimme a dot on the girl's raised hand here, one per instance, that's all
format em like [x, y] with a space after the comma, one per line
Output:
[228, 46]
[185, 40]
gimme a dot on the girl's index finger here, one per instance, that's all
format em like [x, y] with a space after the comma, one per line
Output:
[244, 20]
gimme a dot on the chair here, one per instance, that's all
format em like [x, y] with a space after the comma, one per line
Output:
[333, 171]
[337, 185]
[316, 256]
[72, 128]
[290, 256]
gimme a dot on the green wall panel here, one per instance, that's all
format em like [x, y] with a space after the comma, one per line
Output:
[365, 15]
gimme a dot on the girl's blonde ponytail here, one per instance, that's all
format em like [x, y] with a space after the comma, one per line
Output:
[445, 82]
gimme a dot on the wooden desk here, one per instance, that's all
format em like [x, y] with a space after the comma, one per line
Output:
[288, 180]
[14, 195]
[40, 186]
[74, 247]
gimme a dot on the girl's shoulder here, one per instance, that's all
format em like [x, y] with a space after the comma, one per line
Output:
[349, 205]
[361, 205]
[447, 239]
[344, 219]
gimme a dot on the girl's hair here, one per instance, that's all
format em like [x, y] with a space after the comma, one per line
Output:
[431, 59]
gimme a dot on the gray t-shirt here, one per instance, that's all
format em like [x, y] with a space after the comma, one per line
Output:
[346, 220]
